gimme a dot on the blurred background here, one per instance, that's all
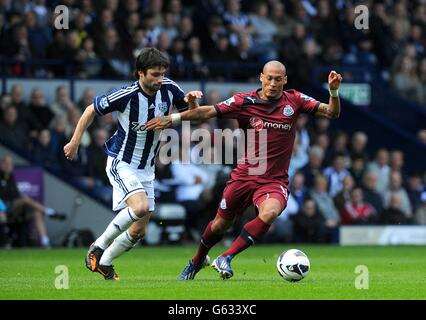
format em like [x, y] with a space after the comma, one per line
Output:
[357, 180]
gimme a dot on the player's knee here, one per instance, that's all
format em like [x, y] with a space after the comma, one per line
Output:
[137, 234]
[141, 209]
[221, 225]
[269, 215]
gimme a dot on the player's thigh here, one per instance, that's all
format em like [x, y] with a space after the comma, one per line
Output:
[270, 200]
[128, 190]
[236, 198]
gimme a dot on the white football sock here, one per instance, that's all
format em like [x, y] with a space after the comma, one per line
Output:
[124, 242]
[122, 221]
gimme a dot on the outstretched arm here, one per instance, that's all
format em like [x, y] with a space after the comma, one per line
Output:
[332, 109]
[198, 114]
[71, 148]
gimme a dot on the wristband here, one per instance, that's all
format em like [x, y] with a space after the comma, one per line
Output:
[176, 119]
[334, 93]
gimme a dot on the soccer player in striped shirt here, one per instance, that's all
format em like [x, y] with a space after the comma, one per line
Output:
[271, 109]
[131, 153]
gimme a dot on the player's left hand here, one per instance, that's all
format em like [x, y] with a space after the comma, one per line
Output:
[334, 80]
[192, 96]
[158, 123]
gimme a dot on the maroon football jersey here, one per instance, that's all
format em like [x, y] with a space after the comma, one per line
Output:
[270, 121]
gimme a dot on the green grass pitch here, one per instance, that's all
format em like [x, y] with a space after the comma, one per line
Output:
[150, 273]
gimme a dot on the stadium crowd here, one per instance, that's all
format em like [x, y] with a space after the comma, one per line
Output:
[209, 39]
[334, 180]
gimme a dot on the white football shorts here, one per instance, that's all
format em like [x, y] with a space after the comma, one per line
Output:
[126, 181]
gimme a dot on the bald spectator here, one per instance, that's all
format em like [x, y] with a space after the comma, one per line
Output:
[380, 166]
[395, 187]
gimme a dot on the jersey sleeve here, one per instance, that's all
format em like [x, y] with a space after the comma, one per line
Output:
[307, 103]
[230, 108]
[116, 100]
[178, 97]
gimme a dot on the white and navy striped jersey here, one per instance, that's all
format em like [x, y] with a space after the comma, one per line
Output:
[134, 108]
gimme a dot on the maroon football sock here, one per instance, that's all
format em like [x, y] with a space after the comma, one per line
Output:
[208, 240]
[252, 231]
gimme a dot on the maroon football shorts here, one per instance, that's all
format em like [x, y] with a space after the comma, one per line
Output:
[239, 195]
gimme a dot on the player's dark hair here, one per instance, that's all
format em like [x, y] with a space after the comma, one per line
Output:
[149, 58]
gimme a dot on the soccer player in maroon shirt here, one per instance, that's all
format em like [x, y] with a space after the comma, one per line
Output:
[274, 110]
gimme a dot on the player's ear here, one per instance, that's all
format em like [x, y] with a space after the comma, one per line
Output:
[285, 80]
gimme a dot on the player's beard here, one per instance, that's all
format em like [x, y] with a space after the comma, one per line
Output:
[152, 87]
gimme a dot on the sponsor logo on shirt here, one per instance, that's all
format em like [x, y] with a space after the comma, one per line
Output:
[223, 204]
[258, 124]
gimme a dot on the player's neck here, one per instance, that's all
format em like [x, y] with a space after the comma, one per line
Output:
[263, 97]
[146, 90]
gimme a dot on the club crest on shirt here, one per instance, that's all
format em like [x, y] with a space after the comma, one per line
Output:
[162, 106]
[288, 111]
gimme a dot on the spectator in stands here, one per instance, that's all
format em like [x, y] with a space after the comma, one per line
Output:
[380, 166]
[396, 163]
[89, 63]
[304, 140]
[86, 98]
[13, 132]
[356, 210]
[44, 153]
[395, 186]
[357, 169]
[238, 23]
[326, 208]
[264, 46]
[339, 146]
[283, 21]
[358, 146]
[57, 135]
[415, 189]
[345, 194]
[21, 208]
[314, 166]
[406, 81]
[299, 158]
[195, 57]
[297, 188]
[190, 180]
[393, 214]
[97, 180]
[39, 37]
[422, 78]
[371, 196]
[40, 111]
[73, 116]
[335, 174]
[17, 94]
[308, 224]
[62, 102]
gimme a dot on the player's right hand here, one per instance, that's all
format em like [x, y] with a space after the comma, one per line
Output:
[70, 150]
